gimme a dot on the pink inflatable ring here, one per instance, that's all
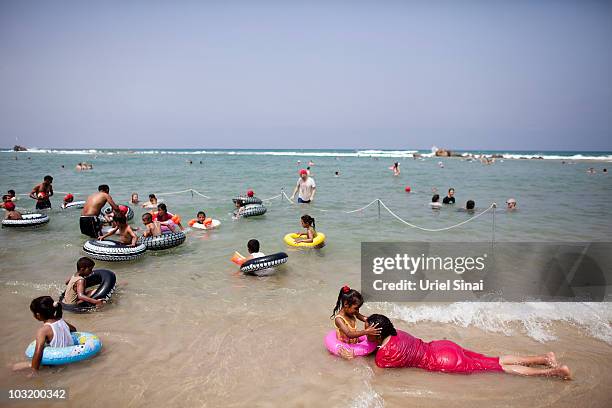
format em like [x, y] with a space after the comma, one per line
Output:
[363, 348]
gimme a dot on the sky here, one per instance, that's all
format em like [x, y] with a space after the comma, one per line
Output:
[503, 75]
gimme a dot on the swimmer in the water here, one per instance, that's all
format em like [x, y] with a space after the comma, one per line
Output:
[11, 214]
[435, 202]
[511, 204]
[337, 174]
[309, 223]
[395, 168]
[152, 203]
[68, 198]
[450, 197]
[470, 205]
[134, 199]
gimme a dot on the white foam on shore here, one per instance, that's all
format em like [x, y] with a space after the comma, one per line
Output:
[534, 318]
[368, 397]
[398, 154]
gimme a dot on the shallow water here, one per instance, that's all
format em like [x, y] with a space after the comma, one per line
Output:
[185, 329]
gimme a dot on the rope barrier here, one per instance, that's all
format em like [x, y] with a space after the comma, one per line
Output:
[378, 201]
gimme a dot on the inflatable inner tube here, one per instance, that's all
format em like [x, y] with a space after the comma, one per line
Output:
[29, 220]
[163, 241]
[363, 348]
[317, 242]
[86, 345]
[247, 200]
[253, 210]
[113, 251]
[265, 262]
[74, 204]
[104, 279]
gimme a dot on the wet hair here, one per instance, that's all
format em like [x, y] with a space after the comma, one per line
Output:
[435, 198]
[120, 218]
[48, 178]
[152, 196]
[470, 204]
[451, 189]
[46, 308]
[84, 263]
[308, 220]
[253, 245]
[201, 212]
[349, 296]
[147, 217]
[162, 206]
[104, 188]
[12, 192]
[6, 197]
[384, 324]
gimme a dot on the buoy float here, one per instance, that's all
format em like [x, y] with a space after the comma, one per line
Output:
[407, 189]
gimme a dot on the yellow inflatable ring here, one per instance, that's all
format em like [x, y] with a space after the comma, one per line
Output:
[318, 241]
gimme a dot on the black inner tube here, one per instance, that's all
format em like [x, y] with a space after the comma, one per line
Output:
[105, 280]
[264, 262]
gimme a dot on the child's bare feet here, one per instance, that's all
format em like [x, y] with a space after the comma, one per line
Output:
[563, 372]
[552, 360]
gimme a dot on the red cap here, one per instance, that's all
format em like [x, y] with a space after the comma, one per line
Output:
[250, 193]
[345, 289]
[303, 171]
[123, 209]
[9, 205]
[68, 197]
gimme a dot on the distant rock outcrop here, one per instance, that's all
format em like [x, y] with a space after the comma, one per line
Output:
[18, 148]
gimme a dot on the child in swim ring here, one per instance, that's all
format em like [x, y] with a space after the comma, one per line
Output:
[126, 235]
[202, 220]
[345, 315]
[11, 214]
[75, 285]
[309, 223]
[68, 198]
[55, 331]
[152, 228]
[166, 218]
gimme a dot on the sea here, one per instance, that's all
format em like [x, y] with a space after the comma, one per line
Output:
[186, 328]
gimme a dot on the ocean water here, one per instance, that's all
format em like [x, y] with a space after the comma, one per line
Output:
[187, 329]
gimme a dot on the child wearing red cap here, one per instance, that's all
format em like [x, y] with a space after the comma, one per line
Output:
[68, 198]
[11, 214]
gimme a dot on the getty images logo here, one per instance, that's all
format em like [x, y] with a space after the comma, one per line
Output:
[412, 264]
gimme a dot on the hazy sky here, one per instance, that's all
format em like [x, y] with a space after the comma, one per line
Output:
[316, 74]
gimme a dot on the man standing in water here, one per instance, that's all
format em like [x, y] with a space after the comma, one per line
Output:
[307, 187]
[41, 193]
[90, 223]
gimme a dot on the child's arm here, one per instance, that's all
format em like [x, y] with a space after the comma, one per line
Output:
[108, 234]
[309, 236]
[348, 332]
[362, 318]
[81, 294]
[41, 342]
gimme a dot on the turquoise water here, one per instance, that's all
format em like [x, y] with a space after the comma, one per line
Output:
[186, 323]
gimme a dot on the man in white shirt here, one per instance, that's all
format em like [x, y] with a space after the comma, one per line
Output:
[306, 186]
